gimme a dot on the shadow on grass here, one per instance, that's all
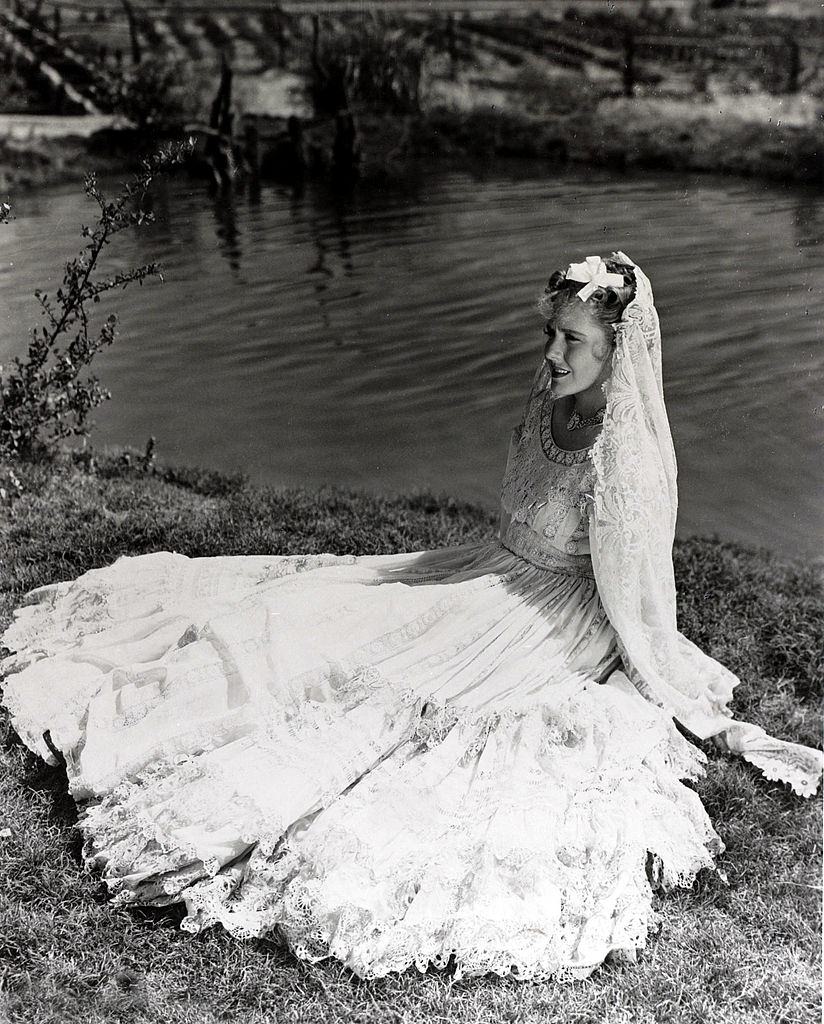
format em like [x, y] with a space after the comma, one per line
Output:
[45, 779]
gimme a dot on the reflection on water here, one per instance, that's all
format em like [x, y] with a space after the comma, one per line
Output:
[387, 341]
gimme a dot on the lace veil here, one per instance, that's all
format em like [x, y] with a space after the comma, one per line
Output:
[632, 527]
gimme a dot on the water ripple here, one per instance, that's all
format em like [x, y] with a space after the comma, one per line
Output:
[388, 341]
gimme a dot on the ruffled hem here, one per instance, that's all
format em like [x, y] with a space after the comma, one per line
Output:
[442, 782]
[516, 843]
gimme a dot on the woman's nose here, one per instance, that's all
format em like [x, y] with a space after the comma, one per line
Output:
[554, 350]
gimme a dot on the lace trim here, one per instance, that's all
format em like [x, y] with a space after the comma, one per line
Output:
[537, 492]
[548, 445]
[550, 899]
[779, 760]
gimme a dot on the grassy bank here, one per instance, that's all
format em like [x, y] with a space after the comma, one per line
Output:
[746, 952]
[625, 134]
[43, 162]
[621, 134]
[38, 164]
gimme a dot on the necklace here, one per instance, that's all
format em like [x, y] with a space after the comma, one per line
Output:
[577, 422]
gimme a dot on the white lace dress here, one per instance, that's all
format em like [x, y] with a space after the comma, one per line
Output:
[395, 760]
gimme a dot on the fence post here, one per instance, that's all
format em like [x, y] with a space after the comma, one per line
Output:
[252, 144]
[793, 64]
[452, 46]
[629, 62]
[134, 39]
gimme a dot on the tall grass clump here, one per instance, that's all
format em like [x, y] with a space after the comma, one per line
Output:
[153, 94]
[372, 64]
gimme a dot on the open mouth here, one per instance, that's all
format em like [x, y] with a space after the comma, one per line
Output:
[557, 371]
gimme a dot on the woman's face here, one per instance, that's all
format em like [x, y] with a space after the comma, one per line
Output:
[578, 350]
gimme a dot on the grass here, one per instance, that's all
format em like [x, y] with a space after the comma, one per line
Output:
[624, 134]
[744, 952]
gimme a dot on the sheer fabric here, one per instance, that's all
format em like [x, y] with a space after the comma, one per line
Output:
[632, 529]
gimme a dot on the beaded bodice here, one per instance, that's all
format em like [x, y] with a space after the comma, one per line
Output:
[544, 495]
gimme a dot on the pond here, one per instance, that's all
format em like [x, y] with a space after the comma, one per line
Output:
[387, 340]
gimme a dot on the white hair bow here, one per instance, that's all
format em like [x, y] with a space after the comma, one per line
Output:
[593, 271]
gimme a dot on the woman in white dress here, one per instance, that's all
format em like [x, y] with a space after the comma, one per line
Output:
[467, 755]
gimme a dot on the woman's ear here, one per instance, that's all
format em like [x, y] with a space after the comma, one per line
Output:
[608, 347]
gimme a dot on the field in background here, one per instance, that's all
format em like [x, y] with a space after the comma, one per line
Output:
[497, 49]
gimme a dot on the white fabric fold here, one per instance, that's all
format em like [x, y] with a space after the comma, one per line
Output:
[632, 528]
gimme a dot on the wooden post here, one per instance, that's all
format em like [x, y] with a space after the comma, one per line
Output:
[280, 35]
[134, 39]
[700, 77]
[452, 46]
[34, 17]
[629, 62]
[251, 143]
[793, 64]
[219, 144]
[220, 115]
[346, 151]
[316, 41]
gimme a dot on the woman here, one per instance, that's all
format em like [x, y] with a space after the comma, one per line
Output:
[463, 755]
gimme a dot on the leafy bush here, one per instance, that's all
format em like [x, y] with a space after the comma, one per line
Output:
[156, 92]
[372, 63]
[44, 397]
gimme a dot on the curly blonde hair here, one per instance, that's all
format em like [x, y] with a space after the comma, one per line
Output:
[605, 304]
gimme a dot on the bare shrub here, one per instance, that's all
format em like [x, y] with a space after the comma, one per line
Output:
[45, 397]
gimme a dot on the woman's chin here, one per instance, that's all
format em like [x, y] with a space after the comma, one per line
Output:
[562, 387]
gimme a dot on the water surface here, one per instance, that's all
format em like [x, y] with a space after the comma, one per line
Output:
[387, 340]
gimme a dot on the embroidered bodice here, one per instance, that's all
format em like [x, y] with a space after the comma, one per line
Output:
[544, 495]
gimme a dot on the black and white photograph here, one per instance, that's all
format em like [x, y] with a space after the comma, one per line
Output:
[411, 511]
